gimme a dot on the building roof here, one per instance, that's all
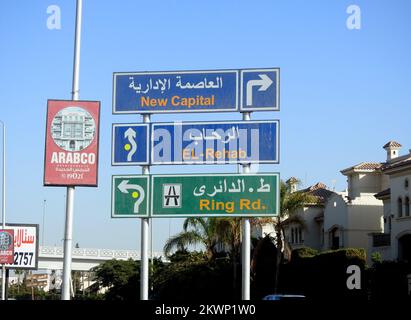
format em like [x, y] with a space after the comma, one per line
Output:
[320, 191]
[396, 164]
[384, 194]
[292, 180]
[363, 166]
[392, 144]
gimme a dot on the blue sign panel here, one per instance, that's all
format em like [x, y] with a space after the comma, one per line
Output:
[178, 91]
[130, 144]
[260, 90]
[215, 142]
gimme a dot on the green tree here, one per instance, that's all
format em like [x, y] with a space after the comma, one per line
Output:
[290, 202]
[122, 278]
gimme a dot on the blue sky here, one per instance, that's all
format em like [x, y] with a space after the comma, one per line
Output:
[344, 93]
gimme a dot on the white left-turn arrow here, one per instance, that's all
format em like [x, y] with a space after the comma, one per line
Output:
[124, 186]
[264, 82]
[130, 134]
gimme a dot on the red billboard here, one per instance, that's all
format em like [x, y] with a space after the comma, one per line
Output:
[6, 246]
[72, 134]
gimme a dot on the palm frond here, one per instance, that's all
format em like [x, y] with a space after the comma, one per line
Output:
[181, 240]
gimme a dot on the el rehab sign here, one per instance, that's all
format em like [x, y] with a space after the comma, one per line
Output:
[212, 154]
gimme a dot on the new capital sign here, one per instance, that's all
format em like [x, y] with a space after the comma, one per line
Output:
[196, 91]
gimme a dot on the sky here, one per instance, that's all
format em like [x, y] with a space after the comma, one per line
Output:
[344, 93]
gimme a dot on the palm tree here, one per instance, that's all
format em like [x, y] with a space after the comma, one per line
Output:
[290, 202]
[196, 231]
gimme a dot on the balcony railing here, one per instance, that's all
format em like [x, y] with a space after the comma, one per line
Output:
[381, 240]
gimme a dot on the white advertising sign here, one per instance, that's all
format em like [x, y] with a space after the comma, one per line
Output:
[26, 247]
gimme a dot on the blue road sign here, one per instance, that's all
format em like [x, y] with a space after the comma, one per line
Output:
[260, 90]
[196, 91]
[177, 91]
[130, 144]
[215, 142]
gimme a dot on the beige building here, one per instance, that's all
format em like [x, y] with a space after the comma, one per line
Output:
[372, 213]
[351, 215]
[394, 243]
[312, 234]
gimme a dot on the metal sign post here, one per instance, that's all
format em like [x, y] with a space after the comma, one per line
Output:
[68, 233]
[145, 222]
[246, 243]
[3, 279]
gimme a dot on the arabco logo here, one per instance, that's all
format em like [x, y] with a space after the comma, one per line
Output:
[5, 240]
[73, 158]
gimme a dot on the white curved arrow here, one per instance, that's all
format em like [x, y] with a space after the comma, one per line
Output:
[124, 186]
[265, 82]
[130, 134]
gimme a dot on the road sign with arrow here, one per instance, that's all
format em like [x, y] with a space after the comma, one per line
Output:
[196, 91]
[130, 196]
[130, 144]
[260, 90]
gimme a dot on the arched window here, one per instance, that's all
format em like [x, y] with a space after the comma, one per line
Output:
[399, 207]
[300, 235]
[407, 206]
[406, 184]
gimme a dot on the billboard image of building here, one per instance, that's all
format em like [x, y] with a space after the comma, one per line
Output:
[73, 129]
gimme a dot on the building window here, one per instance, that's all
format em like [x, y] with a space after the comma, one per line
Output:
[297, 235]
[322, 236]
[406, 183]
[300, 235]
[399, 207]
[407, 206]
[335, 239]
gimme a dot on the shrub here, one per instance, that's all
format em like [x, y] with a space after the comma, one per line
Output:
[304, 252]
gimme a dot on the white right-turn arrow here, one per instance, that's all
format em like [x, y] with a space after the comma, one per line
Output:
[264, 82]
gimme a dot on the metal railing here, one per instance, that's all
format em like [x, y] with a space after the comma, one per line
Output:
[93, 253]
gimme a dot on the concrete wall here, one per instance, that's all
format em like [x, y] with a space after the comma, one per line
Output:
[312, 234]
[365, 217]
[362, 183]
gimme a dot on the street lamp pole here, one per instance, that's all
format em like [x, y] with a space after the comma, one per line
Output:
[68, 228]
[3, 279]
